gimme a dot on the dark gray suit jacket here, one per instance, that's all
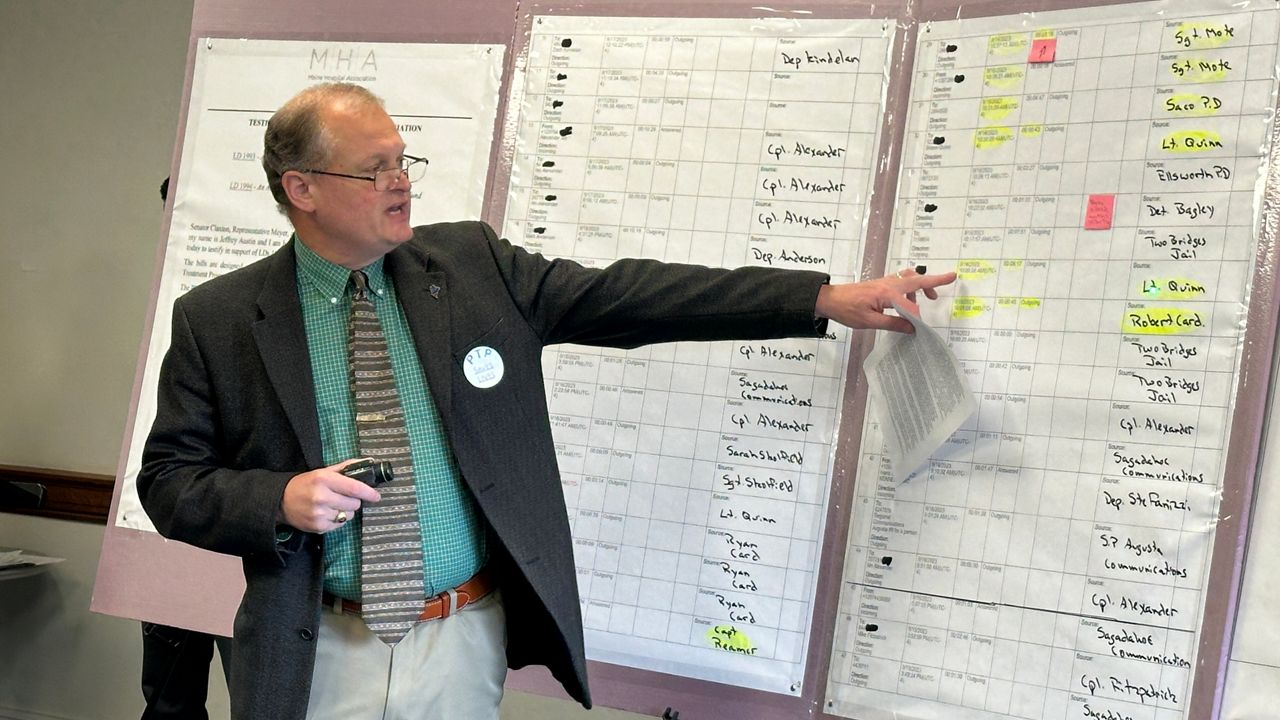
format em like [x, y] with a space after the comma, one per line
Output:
[237, 419]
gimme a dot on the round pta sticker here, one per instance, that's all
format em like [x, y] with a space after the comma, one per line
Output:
[483, 366]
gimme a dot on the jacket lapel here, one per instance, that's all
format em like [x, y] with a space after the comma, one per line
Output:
[282, 344]
[424, 297]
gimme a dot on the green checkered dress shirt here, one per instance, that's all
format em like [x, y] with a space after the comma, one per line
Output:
[453, 535]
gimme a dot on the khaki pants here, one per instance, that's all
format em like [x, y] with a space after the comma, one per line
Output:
[449, 668]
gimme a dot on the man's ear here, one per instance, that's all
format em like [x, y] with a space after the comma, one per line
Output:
[298, 187]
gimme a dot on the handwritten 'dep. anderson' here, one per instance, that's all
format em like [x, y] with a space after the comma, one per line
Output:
[919, 393]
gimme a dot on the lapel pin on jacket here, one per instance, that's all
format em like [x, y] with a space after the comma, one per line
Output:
[435, 291]
[483, 367]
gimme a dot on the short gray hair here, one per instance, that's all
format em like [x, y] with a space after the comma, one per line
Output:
[296, 136]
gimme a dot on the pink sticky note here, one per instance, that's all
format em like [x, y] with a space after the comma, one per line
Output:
[1043, 50]
[1098, 213]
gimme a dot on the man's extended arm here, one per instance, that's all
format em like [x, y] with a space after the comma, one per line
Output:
[633, 302]
[862, 304]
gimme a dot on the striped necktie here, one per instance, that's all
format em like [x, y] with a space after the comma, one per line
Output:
[391, 585]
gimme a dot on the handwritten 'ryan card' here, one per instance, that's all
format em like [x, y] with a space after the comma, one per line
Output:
[919, 392]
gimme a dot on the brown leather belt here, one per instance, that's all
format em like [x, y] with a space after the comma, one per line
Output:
[438, 606]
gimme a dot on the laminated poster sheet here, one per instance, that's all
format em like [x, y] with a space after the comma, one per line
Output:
[1094, 175]
[443, 98]
[696, 475]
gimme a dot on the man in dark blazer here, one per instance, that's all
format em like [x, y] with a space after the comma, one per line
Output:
[235, 461]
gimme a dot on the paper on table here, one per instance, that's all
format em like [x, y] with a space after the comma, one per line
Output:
[13, 559]
[919, 393]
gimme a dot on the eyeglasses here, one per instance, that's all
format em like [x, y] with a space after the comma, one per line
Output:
[411, 167]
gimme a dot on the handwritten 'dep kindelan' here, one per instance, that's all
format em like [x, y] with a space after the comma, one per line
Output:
[698, 473]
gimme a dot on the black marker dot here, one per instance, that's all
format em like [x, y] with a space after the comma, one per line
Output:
[539, 230]
[886, 561]
[930, 207]
[872, 627]
[550, 198]
[557, 103]
[959, 78]
[952, 48]
[567, 131]
[566, 43]
[548, 163]
[561, 76]
[938, 139]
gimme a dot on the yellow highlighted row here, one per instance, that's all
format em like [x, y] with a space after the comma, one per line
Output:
[1182, 141]
[978, 269]
[1146, 321]
[991, 138]
[997, 108]
[1015, 43]
[968, 307]
[1174, 288]
[1183, 69]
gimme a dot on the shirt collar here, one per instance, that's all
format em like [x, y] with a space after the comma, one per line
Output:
[330, 279]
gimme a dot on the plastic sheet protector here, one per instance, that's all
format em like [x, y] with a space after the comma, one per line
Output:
[696, 475]
[1094, 176]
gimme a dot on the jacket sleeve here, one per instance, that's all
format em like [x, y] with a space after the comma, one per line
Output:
[634, 302]
[184, 482]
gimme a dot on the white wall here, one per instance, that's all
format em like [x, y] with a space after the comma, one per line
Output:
[90, 102]
[89, 99]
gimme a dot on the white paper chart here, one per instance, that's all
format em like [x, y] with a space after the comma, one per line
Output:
[696, 475]
[443, 98]
[1093, 176]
